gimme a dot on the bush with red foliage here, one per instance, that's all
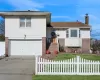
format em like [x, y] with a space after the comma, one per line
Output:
[47, 52]
[55, 52]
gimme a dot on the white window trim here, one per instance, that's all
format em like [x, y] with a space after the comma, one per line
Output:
[73, 29]
[67, 33]
[25, 23]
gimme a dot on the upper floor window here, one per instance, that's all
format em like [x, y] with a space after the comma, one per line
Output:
[73, 33]
[28, 22]
[25, 22]
[22, 22]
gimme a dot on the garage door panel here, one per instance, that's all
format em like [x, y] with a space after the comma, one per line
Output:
[26, 47]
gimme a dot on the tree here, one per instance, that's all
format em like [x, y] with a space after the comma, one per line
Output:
[2, 27]
[96, 46]
[2, 30]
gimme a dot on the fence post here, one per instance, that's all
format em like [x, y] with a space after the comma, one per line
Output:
[78, 65]
[36, 63]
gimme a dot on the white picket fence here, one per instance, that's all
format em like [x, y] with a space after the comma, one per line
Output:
[74, 66]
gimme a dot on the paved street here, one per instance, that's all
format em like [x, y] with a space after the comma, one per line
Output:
[17, 68]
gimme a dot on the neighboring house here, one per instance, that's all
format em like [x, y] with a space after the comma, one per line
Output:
[73, 36]
[30, 32]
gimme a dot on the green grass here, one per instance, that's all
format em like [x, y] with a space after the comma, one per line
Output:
[66, 77]
[85, 56]
[76, 77]
[64, 56]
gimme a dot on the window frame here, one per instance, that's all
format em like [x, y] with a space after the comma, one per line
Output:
[25, 22]
[67, 33]
[74, 29]
[79, 33]
[73, 33]
[20, 21]
[28, 21]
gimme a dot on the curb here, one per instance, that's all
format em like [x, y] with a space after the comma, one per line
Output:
[2, 57]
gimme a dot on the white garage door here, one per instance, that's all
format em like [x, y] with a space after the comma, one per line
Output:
[26, 47]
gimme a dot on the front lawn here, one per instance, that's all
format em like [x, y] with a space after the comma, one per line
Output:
[63, 56]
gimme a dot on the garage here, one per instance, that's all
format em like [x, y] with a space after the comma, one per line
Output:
[25, 47]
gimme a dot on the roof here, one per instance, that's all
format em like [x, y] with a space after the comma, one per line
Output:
[19, 13]
[68, 24]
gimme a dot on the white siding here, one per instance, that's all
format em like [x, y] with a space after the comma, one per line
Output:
[85, 33]
[62, 33]
[2, 48]
[73, 42]
[12, 29]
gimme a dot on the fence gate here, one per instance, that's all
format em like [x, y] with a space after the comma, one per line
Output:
[74, 66]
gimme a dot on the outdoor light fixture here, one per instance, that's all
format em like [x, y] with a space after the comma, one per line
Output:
[24, 36]
[57, 34]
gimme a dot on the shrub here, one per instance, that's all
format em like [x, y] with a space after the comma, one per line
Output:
[47, 52]
[61, 48]
[2, 38]
[55, 52]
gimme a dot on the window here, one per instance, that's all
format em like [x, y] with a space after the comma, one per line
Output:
[79, 34]
[25, 22]
[22, 22]
[28, 22]
[73, 33]
[67, 33]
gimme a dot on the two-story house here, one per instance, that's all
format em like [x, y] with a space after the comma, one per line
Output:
[29, 32]
[25, 32]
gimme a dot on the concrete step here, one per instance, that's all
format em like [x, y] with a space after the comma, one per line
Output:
[53, 47]
[49, 56]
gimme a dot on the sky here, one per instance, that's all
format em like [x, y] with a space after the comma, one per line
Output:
[61, 10]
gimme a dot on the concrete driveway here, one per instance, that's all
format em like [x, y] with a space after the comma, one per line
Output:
[17, 68]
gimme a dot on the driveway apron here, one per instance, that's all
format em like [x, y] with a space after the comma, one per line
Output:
[17, 68]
